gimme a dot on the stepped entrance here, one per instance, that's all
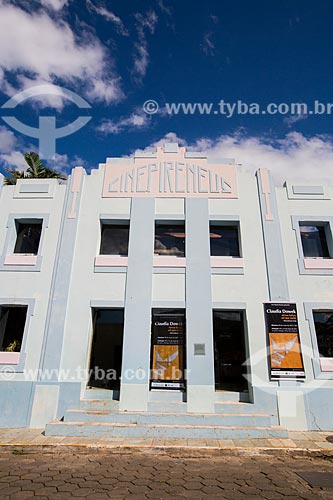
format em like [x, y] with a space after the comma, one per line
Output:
[106, 350]
[229, 351]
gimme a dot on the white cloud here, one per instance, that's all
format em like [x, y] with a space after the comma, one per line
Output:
[54, 4]
[137, 120]
[144, 23]
[41, 49]
[7, 140]
[14, 160]
[109, 16]
[294, 157]
[290, 120]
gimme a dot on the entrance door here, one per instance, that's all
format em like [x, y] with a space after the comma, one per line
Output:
[229, 351]
[107, 347]
[168, 349]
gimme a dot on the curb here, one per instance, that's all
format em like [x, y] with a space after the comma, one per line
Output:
[173, 451]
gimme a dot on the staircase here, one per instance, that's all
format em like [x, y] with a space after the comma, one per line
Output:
[166, 419]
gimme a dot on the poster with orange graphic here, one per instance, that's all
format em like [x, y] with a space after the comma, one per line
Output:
[285, 352]
[167, 365]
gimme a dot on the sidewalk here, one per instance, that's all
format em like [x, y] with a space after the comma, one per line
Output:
[311, 442]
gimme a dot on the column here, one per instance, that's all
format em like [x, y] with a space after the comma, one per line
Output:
[199, 320]
[137, 322]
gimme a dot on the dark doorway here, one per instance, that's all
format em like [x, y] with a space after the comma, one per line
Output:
[107, 347]
[229, 351]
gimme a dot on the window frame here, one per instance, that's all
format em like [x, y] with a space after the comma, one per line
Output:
[104, 263]
[17, 367]
[310, 308]
[227, 264]
[10, 261]
[314, 265]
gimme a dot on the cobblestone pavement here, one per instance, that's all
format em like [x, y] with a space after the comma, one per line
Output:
[67, 474]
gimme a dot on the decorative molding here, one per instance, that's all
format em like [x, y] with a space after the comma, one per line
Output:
[75, 189]
[266, 191]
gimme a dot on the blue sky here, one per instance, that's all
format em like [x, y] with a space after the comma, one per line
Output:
[118, 54]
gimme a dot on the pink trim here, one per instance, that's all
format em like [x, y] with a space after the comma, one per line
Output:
[227, 262]
[111, 260]
[169, 175]
[318, 263]
[9, 358]
[20, 260]
[165, 261]
[264, 178]
[78, 171]
[77, 175]
[326, 364]
[266, 190]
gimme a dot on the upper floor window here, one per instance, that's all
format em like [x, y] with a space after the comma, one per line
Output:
[224, 240]
[114, 239]
[170, 239]
[323, 321]
[28, 237]
[314, 240]
[12, 323]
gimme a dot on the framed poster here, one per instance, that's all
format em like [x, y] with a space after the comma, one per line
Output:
[168, 350]
[285, 354]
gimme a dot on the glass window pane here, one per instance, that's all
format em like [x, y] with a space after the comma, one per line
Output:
[314, 241]
[224, 241]
[324, 331]
[114, 239]
[170, 239]
[28, 237]
[12, 323]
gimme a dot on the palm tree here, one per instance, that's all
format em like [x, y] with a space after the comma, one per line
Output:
[36, 170]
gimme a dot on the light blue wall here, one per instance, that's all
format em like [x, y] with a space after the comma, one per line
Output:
[57, 308]
[15, 403]
[199, 321]
[276, 269]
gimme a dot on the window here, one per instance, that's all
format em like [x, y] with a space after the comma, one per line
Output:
[114, 240]
[12, 323]
[170, 239]
[323, 321]
[224, 240]
[314, 240]
[28, 237]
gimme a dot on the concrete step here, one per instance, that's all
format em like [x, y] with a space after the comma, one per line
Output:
[242, 397]
[234, 407]
[99, 404]
[158, 395]
[123, 430]
[167, 407]
[149, 418]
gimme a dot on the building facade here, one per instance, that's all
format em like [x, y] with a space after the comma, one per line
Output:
[164, 282]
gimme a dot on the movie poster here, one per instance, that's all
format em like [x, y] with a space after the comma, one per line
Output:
[286, 359]
[168, 350]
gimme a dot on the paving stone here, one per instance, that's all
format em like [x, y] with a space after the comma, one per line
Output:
[22, 495]
[47, 491]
